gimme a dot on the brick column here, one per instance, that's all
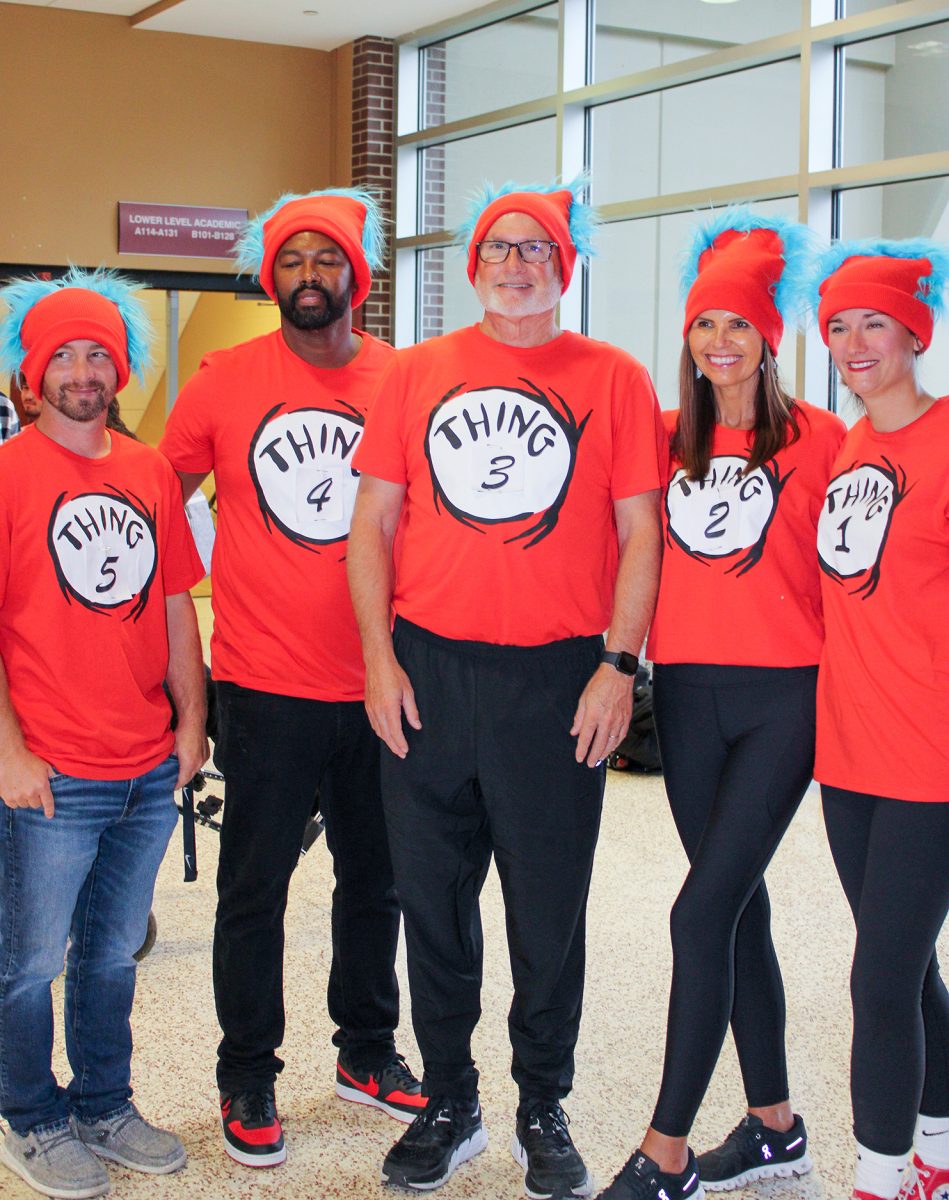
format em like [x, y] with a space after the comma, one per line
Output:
[373, 161]
[432, 183]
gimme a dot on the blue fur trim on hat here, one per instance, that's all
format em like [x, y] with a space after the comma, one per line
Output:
[248, 250]
[798, 242]
[583, 222]
[931, 287]
[22, 294]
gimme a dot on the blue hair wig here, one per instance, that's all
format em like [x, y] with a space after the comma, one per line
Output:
[820, 265]
[797, 240]
[248, 250]
[20, 295]
[583, 222]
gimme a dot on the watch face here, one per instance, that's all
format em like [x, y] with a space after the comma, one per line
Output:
[624, 662]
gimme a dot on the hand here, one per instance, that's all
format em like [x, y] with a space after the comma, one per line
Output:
[603, 714]
[24, 781]
[191, 746]
[389, 694]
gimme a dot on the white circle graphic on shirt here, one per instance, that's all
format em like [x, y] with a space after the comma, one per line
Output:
[855, 520]
[104, 549]
[725, 513]
[500, 454]
[301, 465]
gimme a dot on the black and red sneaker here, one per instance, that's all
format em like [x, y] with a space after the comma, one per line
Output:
[393, 1088]
[252, 1131]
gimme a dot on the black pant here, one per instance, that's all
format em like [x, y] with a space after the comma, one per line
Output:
[493, 769]
[892, 857]
[737, 747]
[275, 751]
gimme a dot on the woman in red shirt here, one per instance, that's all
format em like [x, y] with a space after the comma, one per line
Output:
[883, 702]
[736, 640]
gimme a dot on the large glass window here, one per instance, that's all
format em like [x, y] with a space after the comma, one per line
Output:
[674, 108]
[634, 293]
[496, 66]
[700, 136]
[896, 95]
[902, 210]
[636, 35]
[451, 172]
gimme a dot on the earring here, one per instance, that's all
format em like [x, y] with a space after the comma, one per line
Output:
[698, 373]
[761, 366]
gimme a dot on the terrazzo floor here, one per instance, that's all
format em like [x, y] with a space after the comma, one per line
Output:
[335, 1149]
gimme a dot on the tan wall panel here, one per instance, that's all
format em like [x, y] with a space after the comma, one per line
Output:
[343, 116]
[95, 112]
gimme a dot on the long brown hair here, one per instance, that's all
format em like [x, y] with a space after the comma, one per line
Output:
[775, 419]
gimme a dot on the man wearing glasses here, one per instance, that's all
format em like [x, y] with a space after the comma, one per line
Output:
[522, 466]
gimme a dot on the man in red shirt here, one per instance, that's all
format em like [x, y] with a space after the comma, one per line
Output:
[278, 420]
[524, 465]
[95, 615]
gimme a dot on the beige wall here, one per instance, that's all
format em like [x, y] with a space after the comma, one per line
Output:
[95, 111]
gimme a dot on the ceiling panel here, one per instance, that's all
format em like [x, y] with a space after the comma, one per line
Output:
[282, 22]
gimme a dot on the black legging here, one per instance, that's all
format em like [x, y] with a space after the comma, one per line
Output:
[737, 748]
[892, 857]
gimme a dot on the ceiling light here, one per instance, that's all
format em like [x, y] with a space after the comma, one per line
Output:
[718, 1]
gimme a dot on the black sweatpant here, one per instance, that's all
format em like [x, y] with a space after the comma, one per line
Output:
[892, 857]
[493, 769]
[737, 746]
[275, 751]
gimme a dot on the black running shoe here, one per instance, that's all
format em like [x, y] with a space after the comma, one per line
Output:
[252, 1131]
[446, 1134]
[753, 1151]
[393, 1088]
[641, 1179]
[553, 1169]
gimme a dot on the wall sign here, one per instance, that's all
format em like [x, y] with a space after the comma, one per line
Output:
[179, 230]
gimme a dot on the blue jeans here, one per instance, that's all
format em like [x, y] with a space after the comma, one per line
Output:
[85, 877]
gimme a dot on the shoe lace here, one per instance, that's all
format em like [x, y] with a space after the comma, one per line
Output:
[914, 1183]
[550, 1122]
[258, 1107]
[399, 1070]
[52, 1138]
[743, 1135]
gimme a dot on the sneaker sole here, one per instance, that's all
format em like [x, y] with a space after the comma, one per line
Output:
[19, 1168]
[791, 1170]
[359, 1097]
[462, 1153]
[147, 1168]
[583, 1188]
[246, 1159]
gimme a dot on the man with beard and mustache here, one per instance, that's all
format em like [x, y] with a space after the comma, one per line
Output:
[278, 419]
[95, 614]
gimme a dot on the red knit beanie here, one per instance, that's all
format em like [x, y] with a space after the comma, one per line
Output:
[549, 209]
[882, 284]
[739, 272]
[339, 217]
[67, 315]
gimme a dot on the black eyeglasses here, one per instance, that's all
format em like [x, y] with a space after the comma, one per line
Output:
[530, 252]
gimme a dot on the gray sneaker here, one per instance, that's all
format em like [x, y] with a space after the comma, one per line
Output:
[127, 1138]
[53, 1160]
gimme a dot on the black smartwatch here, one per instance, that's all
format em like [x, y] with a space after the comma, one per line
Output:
[626, 664]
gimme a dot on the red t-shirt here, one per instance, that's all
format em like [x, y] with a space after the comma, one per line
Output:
[883, 543]
[89, 549]
[279, 435]
[740, 585]
[512, 459]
